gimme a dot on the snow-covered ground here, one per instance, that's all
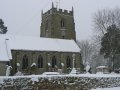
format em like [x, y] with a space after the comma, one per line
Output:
[95, 75]
[114, 88]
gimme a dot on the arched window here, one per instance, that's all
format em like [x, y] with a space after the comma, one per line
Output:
[62, 23]
[54, 62]
[46, 28]
[25, 62]
[40, 62]
[68, 62]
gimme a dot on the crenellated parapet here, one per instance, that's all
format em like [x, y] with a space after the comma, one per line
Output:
[58, 11]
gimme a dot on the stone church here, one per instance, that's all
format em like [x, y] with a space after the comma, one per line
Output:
[54, 50]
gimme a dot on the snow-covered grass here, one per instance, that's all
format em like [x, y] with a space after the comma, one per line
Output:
[114, 88]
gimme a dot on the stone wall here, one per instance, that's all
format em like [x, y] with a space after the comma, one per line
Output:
[58, 83]
[3, 68]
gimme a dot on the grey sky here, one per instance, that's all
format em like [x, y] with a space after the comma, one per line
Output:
[23, 17]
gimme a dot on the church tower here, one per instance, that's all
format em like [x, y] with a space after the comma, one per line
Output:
[57, 23]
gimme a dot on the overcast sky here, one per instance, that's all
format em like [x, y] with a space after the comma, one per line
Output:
[23, 17]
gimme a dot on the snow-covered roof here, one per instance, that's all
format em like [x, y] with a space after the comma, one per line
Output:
[43, 44]
[8, 43]
[3, 50]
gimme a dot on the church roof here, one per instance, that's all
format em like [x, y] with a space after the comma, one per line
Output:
[3, 50]
[8, 43]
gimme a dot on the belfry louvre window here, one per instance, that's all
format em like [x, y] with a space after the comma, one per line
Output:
[62, 23]
[25, 62]
[54, 62]
[46, 26]
[40, 61]
[68, 62]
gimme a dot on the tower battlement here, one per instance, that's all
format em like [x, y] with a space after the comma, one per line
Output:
[58, 11]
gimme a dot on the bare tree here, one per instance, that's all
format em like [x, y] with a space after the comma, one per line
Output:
[105, 18]
[90, 53]
[86, 51]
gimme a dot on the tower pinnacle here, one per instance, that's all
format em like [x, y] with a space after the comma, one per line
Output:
[52, 5]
